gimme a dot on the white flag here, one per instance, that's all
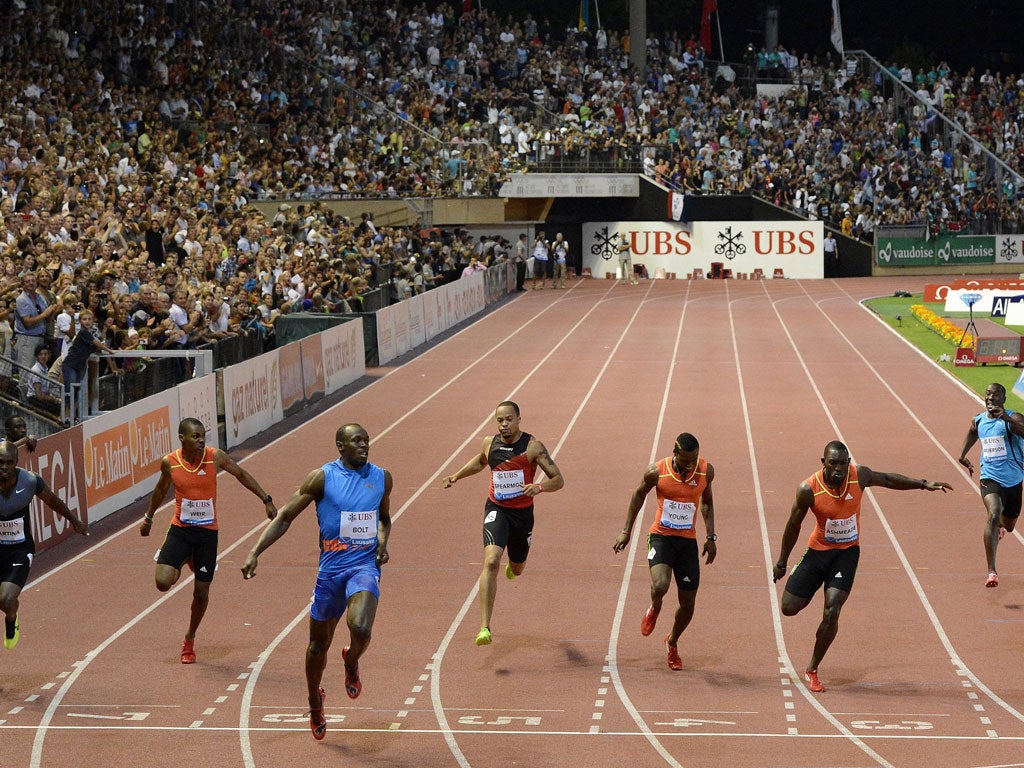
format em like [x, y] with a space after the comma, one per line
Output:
[837, 28]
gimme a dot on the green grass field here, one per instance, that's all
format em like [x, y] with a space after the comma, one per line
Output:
[888, 308]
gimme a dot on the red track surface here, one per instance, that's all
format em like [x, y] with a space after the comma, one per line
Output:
[925, 670]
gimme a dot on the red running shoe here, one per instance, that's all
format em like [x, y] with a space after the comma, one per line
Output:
[811, 676]
[992, 580]
[353, 687]
[674, 662]
[648, 621]
[317, 721]
[188, 652]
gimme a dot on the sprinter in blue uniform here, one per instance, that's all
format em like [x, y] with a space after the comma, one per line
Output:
[353, 508]
[1001, 434]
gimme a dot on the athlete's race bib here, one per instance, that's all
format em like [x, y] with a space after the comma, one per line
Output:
[197, 511]
[12, 531]
[841, 531]
[993, 449]
[358, 526]
[678, 515]
[508, 484]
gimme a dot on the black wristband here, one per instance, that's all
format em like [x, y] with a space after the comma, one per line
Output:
[267, 499]
[924, 485]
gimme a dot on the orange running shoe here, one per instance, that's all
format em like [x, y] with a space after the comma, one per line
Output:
[317, 721]
[811, 676]
[648, 621]
[674, 662]
[188, 652]
[353, 687]
[992, 580]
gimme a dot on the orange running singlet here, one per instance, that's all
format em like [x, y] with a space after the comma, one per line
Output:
[195, 491]
[837, 514]
[678, 499]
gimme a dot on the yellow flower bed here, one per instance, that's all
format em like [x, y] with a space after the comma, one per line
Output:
[942, 326]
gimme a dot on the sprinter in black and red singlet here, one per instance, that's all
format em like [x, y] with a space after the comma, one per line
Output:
[513, 457]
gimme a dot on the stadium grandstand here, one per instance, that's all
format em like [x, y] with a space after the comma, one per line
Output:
[194, 173]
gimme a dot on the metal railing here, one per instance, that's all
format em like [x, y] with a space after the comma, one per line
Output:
[157, 371]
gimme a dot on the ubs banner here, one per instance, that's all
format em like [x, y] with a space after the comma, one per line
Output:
[742, 246]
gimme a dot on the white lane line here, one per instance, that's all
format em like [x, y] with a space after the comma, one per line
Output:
[620, 605]
[880, 736]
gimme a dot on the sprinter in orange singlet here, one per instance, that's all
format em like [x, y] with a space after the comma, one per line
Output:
[513, 456]
[833, 494]
[192, 534]
[683, 481]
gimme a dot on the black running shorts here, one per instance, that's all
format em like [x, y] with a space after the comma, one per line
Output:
[678, 552]
[833, 568]
[1010, 497]
[508, 528]
[196, 544]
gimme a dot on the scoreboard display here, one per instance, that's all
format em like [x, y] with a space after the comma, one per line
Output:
[1001, 349]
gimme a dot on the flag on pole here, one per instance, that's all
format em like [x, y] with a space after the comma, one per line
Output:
[837, 28]
[710, 6]
[584, 15]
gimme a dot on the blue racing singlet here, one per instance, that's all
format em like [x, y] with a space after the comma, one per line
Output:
[1002, 452]
[15, 528]
[348, 515]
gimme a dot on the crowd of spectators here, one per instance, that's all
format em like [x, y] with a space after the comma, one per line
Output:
[861, 148]
[134, 140]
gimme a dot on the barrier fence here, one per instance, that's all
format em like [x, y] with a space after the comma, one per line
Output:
[105, 463]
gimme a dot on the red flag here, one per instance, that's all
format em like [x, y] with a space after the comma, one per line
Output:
[710, 6]
[467, 6]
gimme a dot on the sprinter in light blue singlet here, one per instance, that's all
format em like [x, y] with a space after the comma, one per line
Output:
[1001, 434]
[353, 509]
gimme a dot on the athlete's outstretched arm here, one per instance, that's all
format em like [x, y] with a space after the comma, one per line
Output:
[312, 489]
[471, 467]
[229, 465]
[867, 477]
